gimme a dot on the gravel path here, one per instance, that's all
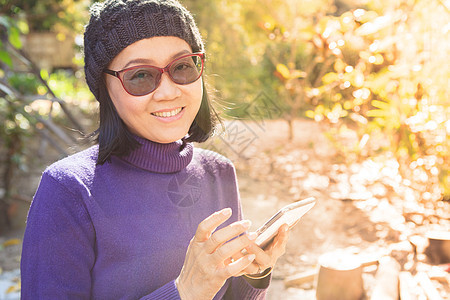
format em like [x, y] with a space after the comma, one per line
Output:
[354, 211]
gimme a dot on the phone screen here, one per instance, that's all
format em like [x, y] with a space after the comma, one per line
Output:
[289, 215]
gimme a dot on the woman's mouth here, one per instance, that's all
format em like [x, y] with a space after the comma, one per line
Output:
[168, 114]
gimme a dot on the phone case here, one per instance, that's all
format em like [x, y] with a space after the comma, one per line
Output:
[290, 214]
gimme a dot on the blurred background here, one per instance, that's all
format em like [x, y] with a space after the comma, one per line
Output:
[344, 100]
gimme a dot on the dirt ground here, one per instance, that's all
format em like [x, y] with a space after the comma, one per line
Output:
[356, 210]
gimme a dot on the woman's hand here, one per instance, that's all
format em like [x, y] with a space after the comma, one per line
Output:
[268, 257]
[207, 265]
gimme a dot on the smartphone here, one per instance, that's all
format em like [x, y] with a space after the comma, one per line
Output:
[290, 215]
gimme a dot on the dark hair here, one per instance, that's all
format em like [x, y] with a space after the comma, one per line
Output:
[114, 138]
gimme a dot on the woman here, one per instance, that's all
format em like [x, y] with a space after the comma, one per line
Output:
[144, 215]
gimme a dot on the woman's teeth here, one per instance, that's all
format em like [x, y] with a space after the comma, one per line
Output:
[167, 114]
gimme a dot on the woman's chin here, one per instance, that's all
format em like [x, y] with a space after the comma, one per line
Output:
[168, 138]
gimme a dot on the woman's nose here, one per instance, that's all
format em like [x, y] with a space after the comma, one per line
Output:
[167, 89]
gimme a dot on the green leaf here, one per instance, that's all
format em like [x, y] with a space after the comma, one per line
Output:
[44, 74]
[376, 113]
[310, 114]
[380, 104]
[23, 27]
[6, 58]
[4, 21]
[330, 78]
[14, 37]
[374, 26]
[284, 71]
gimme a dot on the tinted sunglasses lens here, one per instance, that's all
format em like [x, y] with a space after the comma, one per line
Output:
[141, 81]
[186, 69]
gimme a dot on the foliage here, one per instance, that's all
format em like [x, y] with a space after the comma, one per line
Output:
[13, 125]
[43, 15]
[72, 88]
[375, 69]
[29, 106]
[394, 89]
[236, 65]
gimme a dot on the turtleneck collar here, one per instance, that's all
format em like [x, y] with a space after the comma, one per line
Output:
[161, 158]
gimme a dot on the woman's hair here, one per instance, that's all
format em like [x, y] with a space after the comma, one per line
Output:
[113, 26]
[114, 138]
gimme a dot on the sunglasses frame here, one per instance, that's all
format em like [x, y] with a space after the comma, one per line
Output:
[119, 75]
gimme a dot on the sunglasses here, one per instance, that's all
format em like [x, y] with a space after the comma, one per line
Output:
[144, 79]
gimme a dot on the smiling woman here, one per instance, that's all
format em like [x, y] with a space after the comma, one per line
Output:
[144, 215]
[166, 104]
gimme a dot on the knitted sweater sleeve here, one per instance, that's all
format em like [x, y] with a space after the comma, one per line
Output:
[58, 251]
[168, 291]
[59, 248]
[241, 289]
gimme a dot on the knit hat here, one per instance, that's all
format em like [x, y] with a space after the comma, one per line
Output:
[116, 24]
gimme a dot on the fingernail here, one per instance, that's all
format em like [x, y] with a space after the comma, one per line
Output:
[251, 257]
[246, 223]
[226, 211]
[252, 236]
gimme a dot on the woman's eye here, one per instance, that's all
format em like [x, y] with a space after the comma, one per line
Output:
[139, 75]
[183, 66]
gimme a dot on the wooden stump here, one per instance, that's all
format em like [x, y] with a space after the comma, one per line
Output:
[340, 277]
[438, 250]
[299, 279]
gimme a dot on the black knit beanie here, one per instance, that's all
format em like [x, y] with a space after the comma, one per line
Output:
[116, 24]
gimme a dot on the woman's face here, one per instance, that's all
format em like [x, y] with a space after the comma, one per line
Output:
[164, 115]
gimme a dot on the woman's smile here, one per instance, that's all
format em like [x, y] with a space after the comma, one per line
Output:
[169, 115]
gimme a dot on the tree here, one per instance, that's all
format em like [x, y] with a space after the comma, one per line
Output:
[28, 106]
[376, 68]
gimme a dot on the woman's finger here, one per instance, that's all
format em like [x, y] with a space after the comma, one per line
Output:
[250, 269]
[226, 234]
[267, 258]
[232, 247]
[238, 255]
[263, 260]
[236, 267]
[279, 243]
[208, 225]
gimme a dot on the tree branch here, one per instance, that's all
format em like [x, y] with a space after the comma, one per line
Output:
[35, 70]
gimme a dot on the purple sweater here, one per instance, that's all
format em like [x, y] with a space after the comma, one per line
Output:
[121, 230]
